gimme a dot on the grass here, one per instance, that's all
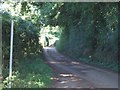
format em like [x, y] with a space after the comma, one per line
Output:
[0, 86]
[105, 65]
[31, 74]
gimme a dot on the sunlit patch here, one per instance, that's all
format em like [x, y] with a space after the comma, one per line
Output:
[53, 78]
[29, 82]
[48, 48]
[57, 62]
[65, 87]
[75, 62]
[75, 80]
[66, 75]
[63, 82]
[53, 62]
[51, 32]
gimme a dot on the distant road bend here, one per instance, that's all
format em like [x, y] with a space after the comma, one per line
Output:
[73, 74]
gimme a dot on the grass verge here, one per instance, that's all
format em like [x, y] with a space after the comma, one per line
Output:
[104, 65]
[30, 74]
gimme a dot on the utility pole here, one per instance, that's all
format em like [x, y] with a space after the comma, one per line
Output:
[11, 54]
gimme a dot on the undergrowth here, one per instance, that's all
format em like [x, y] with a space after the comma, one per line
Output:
[30, 74]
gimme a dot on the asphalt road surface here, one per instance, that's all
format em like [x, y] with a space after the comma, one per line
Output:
[72, 74]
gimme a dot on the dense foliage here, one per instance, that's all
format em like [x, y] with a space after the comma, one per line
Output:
[90, 31]
[29, 69]
[26, 38]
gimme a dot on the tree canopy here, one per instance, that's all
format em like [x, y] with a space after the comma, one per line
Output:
[85, 29]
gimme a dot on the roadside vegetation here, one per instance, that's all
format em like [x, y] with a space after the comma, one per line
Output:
[30, 73]
[29, 69]
[90, 33]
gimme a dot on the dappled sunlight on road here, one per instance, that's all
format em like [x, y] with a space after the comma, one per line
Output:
[73, 74]
[75, 62]
[66, 80]
[55, 62]
[49, 47]
[66, 75]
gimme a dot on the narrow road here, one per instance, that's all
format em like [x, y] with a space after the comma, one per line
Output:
[72, 74]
